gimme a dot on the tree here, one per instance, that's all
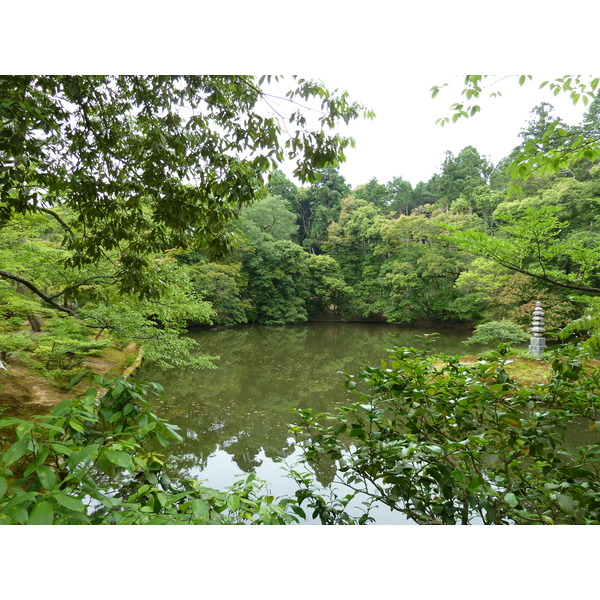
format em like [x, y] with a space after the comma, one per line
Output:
[541, 153]
[319, 205]
[462, 174]
[272, 215]
[130, 166]
[280, 185]
[277, 281]
[535, 245]
[374, 192]
[418, 272]
[531, 244]
[126, 168]
[401, 195]
[329, 291]
[352, 240]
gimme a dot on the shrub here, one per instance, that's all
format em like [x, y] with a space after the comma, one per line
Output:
[449, 443]
[493, 332]
[99, 459]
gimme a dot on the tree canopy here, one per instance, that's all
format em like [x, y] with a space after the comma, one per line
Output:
[134, 165]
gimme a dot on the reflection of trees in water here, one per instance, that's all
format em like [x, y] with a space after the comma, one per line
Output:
[243, 406]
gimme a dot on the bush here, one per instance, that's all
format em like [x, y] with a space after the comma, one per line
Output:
[493, 332]
[100, 460]
[14, 343]
[449, 443]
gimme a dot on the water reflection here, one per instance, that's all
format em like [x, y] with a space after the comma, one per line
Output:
[235, 418]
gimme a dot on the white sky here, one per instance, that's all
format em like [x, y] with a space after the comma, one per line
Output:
[404, 140]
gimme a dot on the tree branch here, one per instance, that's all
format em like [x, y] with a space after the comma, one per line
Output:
[57, 217]
[37, 292]
[569, 286]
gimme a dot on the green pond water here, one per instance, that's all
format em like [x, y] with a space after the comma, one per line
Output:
[235, 418]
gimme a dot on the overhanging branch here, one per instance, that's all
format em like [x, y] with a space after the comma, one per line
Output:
[37, 292]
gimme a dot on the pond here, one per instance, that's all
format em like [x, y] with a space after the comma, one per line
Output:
[235, 418]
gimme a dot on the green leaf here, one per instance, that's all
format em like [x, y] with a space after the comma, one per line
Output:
[233, 502]
[3, 486]
[511, 499]
[69, 502]
[51, 427]
[46, 476]
[15, 452]
[61, 448]
[19, 499]
[120, 458]
[42, 514]
[566, 503]
[200, 509]
[76, 425]
[82, 455]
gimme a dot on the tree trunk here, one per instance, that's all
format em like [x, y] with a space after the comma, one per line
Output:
[36, 323]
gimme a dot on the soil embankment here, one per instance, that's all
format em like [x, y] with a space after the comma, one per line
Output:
[23, 393]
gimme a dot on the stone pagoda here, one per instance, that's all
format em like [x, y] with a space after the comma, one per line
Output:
[537, 344]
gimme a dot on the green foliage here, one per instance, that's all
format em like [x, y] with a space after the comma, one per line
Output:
[277, 285]
[101, 459]
[221, 285]
[493, 332]
[103, 177]
[118, 152]
[271, 215]
[446, 443]
[318, 206]
[548, 146]
[352, 240]
[531, 244]
[402, 199]
[418, 273]
[14, 343]
[328, 289]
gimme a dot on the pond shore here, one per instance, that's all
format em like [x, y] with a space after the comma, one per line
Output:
[23, 393]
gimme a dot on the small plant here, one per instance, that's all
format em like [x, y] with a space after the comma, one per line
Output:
[13, 324]
[494, 332]
[102, 459]
[14, 343]
[449, 443]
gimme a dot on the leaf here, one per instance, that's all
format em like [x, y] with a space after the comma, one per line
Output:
[120, 458]
[566, 503]
[15, 452]
[51, 427]
[76, 425]
[42, 514]
[200, 509]
[77, 379]
[511, 499]
[82, 455]
[69, 502]
[3, 486]
[233, 502]
[46, 476]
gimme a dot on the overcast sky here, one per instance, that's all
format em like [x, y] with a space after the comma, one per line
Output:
[404, 140]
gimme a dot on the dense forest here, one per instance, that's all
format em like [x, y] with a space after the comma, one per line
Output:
[103, 250]
[380, 251]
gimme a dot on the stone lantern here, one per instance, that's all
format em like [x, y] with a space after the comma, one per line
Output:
[537, 344]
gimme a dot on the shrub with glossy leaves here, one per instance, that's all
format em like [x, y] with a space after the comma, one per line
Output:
[102, 459]
[450, 443]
